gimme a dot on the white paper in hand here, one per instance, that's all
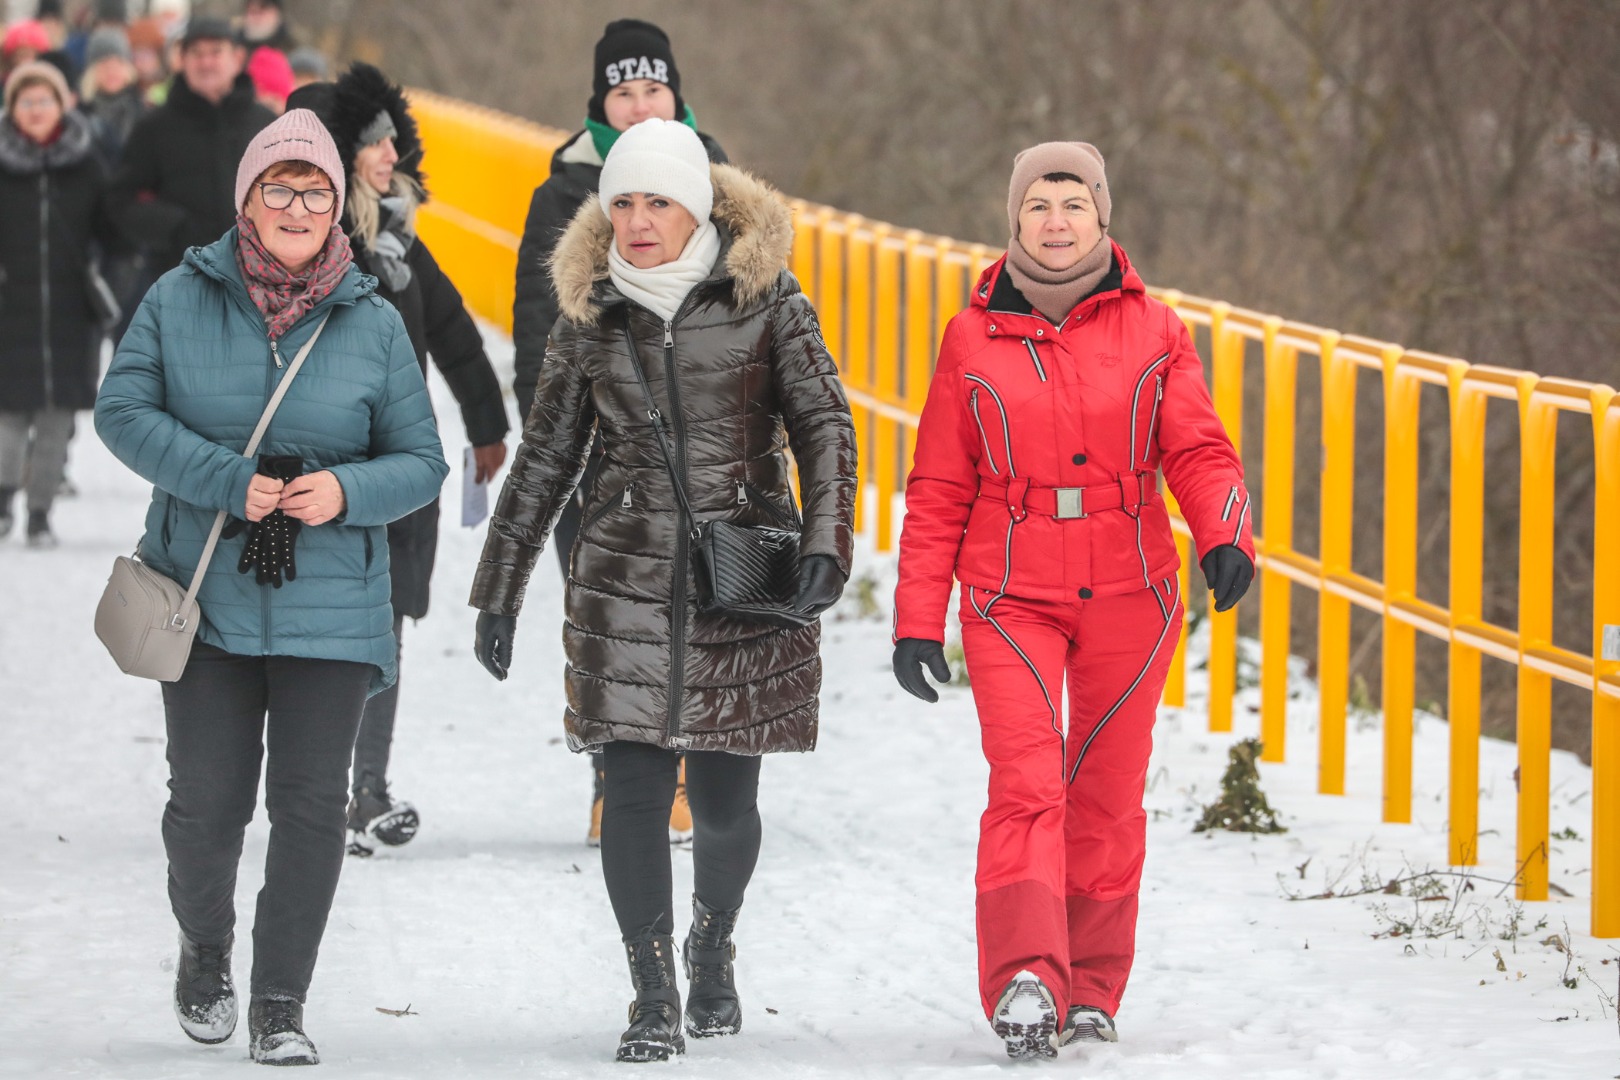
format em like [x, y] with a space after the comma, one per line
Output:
[474, 495]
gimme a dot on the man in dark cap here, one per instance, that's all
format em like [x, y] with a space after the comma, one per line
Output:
[176, 185]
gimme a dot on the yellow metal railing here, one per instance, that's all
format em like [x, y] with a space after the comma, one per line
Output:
[884, 296]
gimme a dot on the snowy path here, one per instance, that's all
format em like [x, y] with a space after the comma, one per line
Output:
[856, 953]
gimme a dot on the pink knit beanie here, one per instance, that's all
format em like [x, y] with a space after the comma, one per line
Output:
[298, 135]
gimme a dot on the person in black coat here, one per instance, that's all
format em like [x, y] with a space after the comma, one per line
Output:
[52, 209]
[175, 186]
[634, 78]
[382, 154]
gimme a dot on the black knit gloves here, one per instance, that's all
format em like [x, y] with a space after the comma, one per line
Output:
[271, 540]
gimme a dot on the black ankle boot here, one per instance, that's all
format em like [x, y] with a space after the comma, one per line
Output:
[655, 1016]
[204, 999]
[712, 1007]
[276, 1033]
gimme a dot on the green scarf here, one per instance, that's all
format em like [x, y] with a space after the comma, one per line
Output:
[605, 136]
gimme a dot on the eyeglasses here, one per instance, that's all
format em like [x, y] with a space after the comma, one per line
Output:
[36, 104]
[279, 197]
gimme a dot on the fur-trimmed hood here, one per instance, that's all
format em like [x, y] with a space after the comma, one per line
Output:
[21, 155]
[755, 222]
[349, 105]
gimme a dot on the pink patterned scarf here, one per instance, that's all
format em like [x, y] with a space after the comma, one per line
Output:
[281, 296]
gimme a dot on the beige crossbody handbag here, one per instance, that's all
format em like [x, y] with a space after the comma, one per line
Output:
[145, 619]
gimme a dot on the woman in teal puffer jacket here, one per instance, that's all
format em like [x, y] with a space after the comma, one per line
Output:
[297, 624]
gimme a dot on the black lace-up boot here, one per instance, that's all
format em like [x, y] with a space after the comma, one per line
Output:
[712, 1007]
[276, 1033]
[655, 1016]
[204, 999]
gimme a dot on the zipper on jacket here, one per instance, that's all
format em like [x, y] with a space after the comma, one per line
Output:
[984, 440]
[609, 504]
[1231, 498]
[677, 594]
[745, 489]
[45, 283]
[1136, 399]
[1006, 427]
[1153, 418]
[275, 352]
[1039, 370]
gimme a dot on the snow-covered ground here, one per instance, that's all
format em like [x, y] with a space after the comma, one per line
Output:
[855, 951]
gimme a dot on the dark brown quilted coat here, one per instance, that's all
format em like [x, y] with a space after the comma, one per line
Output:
[747, 376]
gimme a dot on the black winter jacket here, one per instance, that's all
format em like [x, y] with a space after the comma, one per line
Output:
[113, 117]
[177, 185]
[576, 174]
[741, 374]
[52, 206]
[438, 324]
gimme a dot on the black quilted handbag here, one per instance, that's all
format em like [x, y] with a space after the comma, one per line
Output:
[747, 572]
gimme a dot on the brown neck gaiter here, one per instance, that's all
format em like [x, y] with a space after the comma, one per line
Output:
[1054, 293]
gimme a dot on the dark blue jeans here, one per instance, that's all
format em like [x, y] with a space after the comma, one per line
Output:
[222, 715]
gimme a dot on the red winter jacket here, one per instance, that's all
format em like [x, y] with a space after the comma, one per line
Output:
[1022, 413]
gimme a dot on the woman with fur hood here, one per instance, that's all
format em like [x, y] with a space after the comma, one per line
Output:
[52, 210]
[673, 285]
[382, 155]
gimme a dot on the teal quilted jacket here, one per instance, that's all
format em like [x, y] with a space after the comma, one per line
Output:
[184, 392]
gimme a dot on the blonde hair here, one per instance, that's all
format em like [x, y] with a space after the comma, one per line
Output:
[363, 204]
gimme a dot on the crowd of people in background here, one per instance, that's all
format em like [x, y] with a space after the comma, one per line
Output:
[123, 122]
[211, 196]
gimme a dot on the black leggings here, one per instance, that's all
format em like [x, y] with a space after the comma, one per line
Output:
[639, 786]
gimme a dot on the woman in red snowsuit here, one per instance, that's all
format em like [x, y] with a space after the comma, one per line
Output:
[1060, 394]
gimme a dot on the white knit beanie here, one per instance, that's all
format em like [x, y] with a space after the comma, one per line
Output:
[296, 135]
[659, 157]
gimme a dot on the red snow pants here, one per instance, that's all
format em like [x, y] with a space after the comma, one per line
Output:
[1061, 842]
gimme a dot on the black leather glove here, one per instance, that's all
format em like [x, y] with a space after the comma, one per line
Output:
[492, 643]
[272, 539]
[1228, 572]
[820, 584]
[910, 654]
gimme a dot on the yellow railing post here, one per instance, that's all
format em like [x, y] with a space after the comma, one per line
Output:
[1538, 449]
[857, 361]
[1606, 696]
[831, 303]
[1277, 476]
[1466, 606]
[1175, 685]
[1226, 356]
[806, 238]
[921, 258]
[1333, 610]
[1401, 400]
[886, 365]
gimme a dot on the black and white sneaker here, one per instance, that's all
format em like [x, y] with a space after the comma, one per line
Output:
[276, 1033]
[1087, 1023]
[204, 999]
[1026, 1018]
[377, 818]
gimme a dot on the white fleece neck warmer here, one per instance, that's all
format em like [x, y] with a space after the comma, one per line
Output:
[662, 289]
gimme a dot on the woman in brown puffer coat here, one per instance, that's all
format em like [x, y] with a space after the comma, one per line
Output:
[689, 262]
